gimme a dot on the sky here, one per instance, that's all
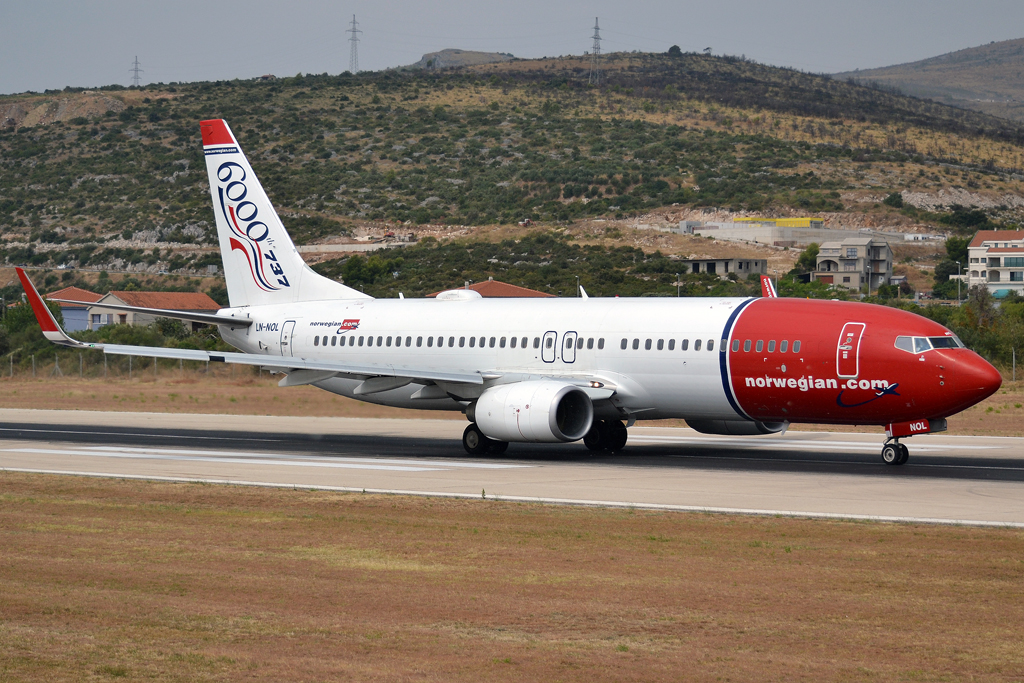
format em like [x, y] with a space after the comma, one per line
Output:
[51, 44]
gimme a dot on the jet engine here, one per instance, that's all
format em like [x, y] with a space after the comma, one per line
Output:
[536, 410]
[737, 427]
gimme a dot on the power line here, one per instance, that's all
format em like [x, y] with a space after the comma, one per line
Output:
[595, 59]
[136, 71]
[353, 57]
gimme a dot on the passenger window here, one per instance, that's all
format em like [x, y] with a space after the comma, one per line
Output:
[771, 346]
[783, 345]
[547, 342]
[671, 344]
[624, 342]
[696, 344]
[408, 341]
[316, 340]
[523, 344]
[735, 345]
[746, 345]
[483, 342]
[472, 342]
[636, 344]
[492, 342]
[711, 344]
[379, 340]
[501, 342]
[360, 340]
[369, 341]
[341, 341]
[796, 347]
[334, 341]
[389, 341]
[760, 346]
[536, 342]
[513, 341]
[685, 344]
[647, 345]
[921, 344]
[600, 343]
[462, 342]
[419, 341]
[451, 341]
[590, 343]
[430, 342]
[568, 342]
[579, 343]
[661, 344]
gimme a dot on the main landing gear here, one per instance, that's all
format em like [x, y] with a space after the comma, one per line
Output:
[894, 453]
[606, 435]
[475, 443]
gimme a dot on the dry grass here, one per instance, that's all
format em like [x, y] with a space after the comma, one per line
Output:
[109, 579]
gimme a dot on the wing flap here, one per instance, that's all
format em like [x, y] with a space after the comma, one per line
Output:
[206, 318]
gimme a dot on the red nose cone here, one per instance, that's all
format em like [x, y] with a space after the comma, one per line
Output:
[976, 379]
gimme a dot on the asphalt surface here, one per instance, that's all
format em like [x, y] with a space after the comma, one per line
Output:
[949, 479]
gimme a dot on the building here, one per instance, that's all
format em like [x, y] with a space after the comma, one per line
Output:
[76, 316]
[723, 266]
[854, 263]
[805, 222]
[996, 260]
[192, 302]
[495, 289]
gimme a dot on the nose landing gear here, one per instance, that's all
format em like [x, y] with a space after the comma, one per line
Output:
[894, 453]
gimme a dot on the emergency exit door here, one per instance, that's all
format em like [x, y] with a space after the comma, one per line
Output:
[848, 353]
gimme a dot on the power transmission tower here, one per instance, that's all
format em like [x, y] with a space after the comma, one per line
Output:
[136, 71]
[595, 59]
[353, 56]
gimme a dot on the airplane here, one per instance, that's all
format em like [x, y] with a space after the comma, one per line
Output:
[559, 370]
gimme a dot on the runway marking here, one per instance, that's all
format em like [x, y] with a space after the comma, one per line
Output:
[816, 445]
[550, 501]
[275, 459]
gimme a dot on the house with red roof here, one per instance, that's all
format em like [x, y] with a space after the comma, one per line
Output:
[192, 302]
[996, 260]
[76, 315]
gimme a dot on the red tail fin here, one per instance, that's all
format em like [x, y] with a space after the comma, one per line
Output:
[768, 288]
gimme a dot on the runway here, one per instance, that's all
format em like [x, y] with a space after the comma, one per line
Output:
[949, 479]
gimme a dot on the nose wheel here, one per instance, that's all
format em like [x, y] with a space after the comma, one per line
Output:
[895, 453]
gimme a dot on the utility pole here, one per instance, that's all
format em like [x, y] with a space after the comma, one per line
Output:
[957, 283]
[595, 56]
[135, 72]
[353, 55]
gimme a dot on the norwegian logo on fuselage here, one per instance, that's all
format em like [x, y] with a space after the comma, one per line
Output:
[348, 324]
[250, 235]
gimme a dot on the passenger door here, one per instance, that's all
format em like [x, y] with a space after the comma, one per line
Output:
[848, 353]
[286, 338]
[569, 347]
[547, 347]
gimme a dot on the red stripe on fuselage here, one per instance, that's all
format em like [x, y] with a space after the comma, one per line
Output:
[891, 385]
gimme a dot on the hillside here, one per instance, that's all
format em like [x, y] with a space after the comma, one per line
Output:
[453, 58]
[115, 178]
[986, 78]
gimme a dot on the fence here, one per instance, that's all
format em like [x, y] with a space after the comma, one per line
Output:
[66, 364]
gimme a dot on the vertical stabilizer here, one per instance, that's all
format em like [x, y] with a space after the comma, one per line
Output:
[261, 264]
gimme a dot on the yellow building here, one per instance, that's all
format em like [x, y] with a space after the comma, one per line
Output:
[807, 222]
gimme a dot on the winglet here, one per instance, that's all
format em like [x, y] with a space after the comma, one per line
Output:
[768, 288]
[51, 330]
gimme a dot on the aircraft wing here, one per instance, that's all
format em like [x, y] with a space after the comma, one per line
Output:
[306, 370]
[207, 318]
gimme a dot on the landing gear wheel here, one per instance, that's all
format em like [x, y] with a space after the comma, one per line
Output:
[891, 454]
[617, 436]
[904, 454]
[597, 438]
[497, 447]
[474, 441]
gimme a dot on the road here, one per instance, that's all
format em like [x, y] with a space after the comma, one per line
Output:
[949, 479]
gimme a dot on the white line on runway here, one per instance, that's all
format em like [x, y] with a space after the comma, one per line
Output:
[276, 459]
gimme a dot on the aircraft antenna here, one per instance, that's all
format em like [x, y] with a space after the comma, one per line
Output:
[136, 71]
[353, 55]
[595, 58]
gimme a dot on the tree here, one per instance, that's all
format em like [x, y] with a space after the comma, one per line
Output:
[895, 200]
[808, 260]
[956, 249]
[674, 51]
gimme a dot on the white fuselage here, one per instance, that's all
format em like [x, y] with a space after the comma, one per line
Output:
[670, 381]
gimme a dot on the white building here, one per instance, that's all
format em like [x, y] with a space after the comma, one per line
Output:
[996, 260]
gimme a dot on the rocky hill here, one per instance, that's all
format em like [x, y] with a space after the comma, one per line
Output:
[452, 58]
[986, 78]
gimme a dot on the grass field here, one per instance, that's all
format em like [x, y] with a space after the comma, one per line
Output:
[105, 579]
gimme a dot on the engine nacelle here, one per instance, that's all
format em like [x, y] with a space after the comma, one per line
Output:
[537, 410]
[737, 427]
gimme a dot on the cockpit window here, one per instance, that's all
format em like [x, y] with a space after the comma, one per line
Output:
[922, 344]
